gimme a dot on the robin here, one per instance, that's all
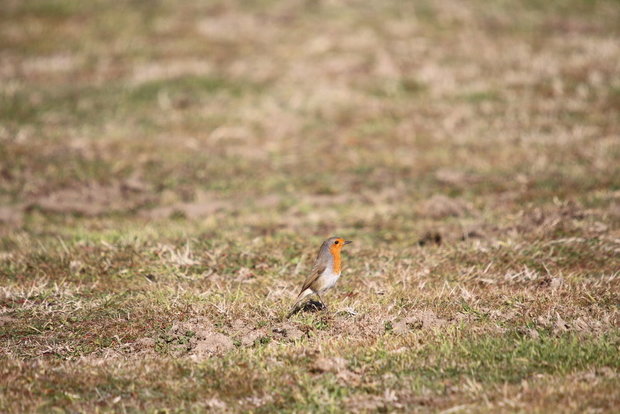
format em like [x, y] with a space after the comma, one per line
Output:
[325, 272]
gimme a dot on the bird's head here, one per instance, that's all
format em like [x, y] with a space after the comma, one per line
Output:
[335, 244]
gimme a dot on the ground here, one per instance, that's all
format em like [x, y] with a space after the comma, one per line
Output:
[168, 171]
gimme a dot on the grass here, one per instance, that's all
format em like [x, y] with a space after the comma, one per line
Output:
[168, 171]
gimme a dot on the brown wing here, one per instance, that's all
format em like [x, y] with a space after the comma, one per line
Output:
[317, 270]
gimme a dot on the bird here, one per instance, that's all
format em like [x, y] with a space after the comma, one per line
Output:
[325, 272]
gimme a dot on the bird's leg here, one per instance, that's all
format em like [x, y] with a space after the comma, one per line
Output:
[321, 299]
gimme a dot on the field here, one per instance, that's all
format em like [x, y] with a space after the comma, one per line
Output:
[169, 169]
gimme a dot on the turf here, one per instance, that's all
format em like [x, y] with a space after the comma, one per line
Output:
[168, 171]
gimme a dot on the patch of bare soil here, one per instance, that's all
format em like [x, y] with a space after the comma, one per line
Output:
[249, 335]
[440, 206]
[582, 324]
[11, 215]
[191, 210]
[542, 221]
[614, 210]
[288, 331]
[360, 326]
[143, 346]
[94, 199]
[204, 205]
[197, 339]
[7, 320]
[455, 178]
[422, 319]
[454, 233]
[326, 200]
[211, 343]
[336, 366]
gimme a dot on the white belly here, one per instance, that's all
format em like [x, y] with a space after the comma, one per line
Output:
[327, 280]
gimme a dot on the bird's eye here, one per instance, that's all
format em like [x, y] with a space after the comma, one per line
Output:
[336, 242]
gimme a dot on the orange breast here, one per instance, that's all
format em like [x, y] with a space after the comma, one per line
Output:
[335, 250]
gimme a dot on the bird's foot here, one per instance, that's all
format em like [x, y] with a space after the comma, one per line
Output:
[313, 306]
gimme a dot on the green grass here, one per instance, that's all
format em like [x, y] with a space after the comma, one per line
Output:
[443, 363]
[167, 172]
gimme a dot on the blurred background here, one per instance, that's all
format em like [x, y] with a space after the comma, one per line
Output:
[169, 168]
[334, 114]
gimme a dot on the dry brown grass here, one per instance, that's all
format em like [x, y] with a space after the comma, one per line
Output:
[168, 170]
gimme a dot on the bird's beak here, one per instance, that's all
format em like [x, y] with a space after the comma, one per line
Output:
[348, 241]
